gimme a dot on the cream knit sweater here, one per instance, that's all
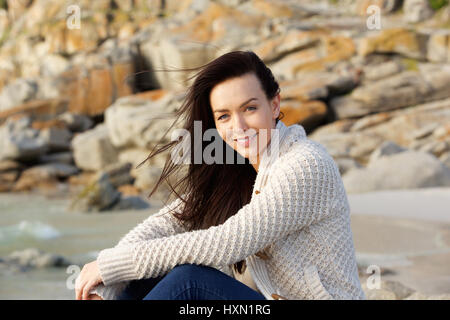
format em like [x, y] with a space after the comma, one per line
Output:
[298, 213]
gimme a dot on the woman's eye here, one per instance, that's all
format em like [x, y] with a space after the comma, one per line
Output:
[220, 118]
[251, 107]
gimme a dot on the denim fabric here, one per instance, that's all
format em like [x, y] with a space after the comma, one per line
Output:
[190, 282]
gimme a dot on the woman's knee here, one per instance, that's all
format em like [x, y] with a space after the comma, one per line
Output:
[186, 271]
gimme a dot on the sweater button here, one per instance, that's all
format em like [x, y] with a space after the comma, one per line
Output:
[278, 297]
[256, 191]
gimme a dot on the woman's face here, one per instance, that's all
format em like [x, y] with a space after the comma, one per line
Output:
[240, 109]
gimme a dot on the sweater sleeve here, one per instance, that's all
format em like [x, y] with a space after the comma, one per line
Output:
[158, 225]
[298, 192]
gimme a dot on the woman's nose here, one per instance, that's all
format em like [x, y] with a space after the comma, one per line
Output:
[239, 125]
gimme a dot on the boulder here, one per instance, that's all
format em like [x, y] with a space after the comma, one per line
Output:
[181, 44]
[16, 93]
[439, 46]
[76, 122]
[118, 174]
[404, 170]
[35, 258]
[93, 150]
[59, 157]
[387, 148]
[20, 142]
[57, 139]
[395, 40]
[99, 195]
[389, 290]
[139, 121]
[131, 203]
[44, 175]
[407, 88]
[345, 164]
[329, 51]
[307, 113]
[417, 10]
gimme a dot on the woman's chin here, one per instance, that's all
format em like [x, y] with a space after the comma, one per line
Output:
[248, 153]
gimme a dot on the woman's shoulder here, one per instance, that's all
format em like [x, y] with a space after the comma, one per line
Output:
[305, 155]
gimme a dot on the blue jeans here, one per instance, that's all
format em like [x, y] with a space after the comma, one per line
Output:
[190, 282]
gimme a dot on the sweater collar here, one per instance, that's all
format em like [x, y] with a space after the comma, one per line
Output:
[279, 142]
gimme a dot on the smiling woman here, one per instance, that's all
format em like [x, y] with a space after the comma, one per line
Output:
[276, 228]
[240, 124]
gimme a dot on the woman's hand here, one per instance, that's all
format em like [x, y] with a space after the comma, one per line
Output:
[88, 278]
[94, 297]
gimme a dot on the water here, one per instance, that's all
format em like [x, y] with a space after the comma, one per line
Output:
[33, 221]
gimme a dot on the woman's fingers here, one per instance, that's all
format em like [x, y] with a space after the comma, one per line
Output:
[86, 289]
[79, 287]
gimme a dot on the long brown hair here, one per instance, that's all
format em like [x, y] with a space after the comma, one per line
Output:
[213, 192]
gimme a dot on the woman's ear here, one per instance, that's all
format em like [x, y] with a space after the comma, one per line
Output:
[276, 106]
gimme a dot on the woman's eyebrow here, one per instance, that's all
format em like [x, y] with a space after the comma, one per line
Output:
[243, 104]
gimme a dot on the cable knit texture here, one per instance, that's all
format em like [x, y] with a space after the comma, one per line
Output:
[298, 213]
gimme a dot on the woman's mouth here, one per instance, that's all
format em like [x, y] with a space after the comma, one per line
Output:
[245, 141]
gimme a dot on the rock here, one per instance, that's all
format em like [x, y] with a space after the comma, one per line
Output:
[43, 174]
[405, 170]
[345, 107]
[348, 137]
[439, 46]
[388, 290]
[345, 164]
[382, 70]
[17, 92]
[10, 165]
[400, 290]
[444, 296]
[134, 156]
[131, 203]
[395, 40]
[307, 113]
[128, 190]
[146, 177]
[424, 131]
[318, 85]
[379, 294]
[136, 121]
[221, 26]
[60, 157]
[330, 51]
[118, 174]
[34, 258]
[416, 10]
[37, 110]
[387, 148]
[421, 296]
[436, 148]
[9, 172]
[416, 296]
[370, 121]
[82, 84]
[293, 40]
[386, 6]
[99, 195]
[408, 88]
[20, 142]
[93, 150]
[56, 139]
[445, 159]
[53, 65]
[76, 122]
